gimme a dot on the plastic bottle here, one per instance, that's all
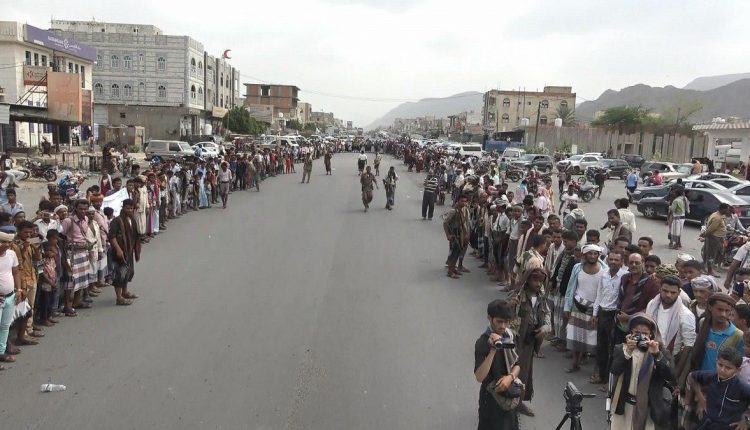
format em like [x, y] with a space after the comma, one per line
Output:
[51, 388]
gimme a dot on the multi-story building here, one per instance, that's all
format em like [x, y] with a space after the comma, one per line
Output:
[505, 110]
[166, 83]
[322, 119]
[283, 98]
[304, 112]
[45, 86]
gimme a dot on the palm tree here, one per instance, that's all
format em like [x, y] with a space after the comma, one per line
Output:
[567, 114]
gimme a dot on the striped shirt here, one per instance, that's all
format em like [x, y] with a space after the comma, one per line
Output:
[430, 185]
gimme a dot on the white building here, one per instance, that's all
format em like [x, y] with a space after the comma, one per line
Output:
[144, 77]
[35, 92]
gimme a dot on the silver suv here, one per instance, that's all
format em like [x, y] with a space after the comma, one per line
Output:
[579, 163]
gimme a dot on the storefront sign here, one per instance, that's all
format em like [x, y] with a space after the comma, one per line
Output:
[35, 75]
[51, 40]
[219, 112]
[64, 97]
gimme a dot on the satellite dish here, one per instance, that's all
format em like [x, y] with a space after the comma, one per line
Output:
[226, 54]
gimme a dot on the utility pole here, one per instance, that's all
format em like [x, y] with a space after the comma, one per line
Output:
[538, 112]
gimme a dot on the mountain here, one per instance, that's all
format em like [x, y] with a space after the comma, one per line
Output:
[705, 83]
[439, 107]
[728, 100]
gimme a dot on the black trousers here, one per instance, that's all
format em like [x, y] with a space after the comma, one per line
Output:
[605, 341]
[428, 205]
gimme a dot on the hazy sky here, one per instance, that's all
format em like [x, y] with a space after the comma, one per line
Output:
[378, 53]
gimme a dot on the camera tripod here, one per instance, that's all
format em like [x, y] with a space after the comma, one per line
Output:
[574, 415]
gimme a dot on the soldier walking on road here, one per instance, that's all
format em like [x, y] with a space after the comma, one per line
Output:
[307, 169]
[327, 161]
[367, 180]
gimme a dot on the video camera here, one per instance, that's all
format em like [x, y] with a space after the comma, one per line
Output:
[573, 399]
[504, 343]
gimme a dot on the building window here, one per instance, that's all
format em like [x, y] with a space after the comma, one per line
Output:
[221, 80]
[563, 104]
[200, 94]
[161, 64]
[192, 92]
[506, 118]
[70, 67]
[192, 66]
[545, 104]
[98, 61]
[221, 101]
[98, 89]
[140, 59]
[115, 61]
[127, 91]
[83, 77]
[28, 58]
[36, 59]
[141, 89]
[543, 120]
[506, 102]
[115, 91]
[44, 60]
[76, 68]
[265, 90]
[200, 68]
[162, 92]
[127, 62]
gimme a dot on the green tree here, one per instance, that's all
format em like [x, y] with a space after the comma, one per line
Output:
[237, 120]
[294, 124]
[623, 118]
[310, 126]
[567, 115]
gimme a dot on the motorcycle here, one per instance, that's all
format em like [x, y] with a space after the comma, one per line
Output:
[587, 192]
[68, 187]
[35, 169]
[590, 175]
[732, 244]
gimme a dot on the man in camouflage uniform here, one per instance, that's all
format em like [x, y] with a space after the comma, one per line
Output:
[307, 168]
[367, 180]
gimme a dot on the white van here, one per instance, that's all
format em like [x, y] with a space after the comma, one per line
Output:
[167, 149]
[473, 149]
[512, 154]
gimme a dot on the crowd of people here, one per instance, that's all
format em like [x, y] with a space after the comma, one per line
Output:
[667, 343]
[58, 255]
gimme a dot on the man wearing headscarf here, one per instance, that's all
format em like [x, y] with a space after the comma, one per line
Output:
[640, 365]
[676, 324]
[637, 288]
[532, 323]
[579, 304]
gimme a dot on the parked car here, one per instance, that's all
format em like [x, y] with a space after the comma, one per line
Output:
[579, 163]
[742, 191]
[473, 149]
[664, 167]
[167, 149]
[663, 190]
[724, 179]
[542, 162]
[634, 160]
[617, 168]
[702, 204]
[207, 151]
[513, 154]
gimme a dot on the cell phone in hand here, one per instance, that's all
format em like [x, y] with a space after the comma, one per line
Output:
[35, 241]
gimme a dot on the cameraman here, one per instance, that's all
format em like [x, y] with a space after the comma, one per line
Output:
[641, 366]
[496, 368]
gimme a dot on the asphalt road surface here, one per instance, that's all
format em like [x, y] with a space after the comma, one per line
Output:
[292, 309]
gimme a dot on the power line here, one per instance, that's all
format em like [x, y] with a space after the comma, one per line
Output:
[359, 98]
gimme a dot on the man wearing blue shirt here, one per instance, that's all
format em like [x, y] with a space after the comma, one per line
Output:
[631, 182]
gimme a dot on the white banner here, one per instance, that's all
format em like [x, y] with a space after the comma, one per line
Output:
[115, 200]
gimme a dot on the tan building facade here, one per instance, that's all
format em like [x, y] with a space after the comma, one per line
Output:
[505, 110]
[304, 111]
[283, 98]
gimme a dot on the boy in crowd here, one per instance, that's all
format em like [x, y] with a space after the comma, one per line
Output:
[722, 398]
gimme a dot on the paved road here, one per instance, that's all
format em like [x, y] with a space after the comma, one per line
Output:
[292, 309]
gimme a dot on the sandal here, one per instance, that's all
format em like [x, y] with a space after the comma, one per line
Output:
[7, 358]
[453, 276]
[130, 296]
[36, 333]
[123, 302]
[26, 342]
[70, 312]
[84, 306]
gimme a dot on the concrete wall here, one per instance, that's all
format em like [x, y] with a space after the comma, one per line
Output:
[678, 149]
[159, 122]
